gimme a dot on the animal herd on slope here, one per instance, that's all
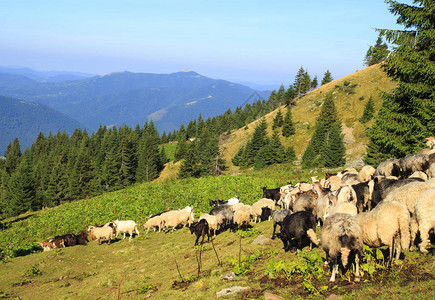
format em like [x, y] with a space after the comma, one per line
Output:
[386, 206]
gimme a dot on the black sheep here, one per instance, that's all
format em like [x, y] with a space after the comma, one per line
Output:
[200, 229]
[297, 226]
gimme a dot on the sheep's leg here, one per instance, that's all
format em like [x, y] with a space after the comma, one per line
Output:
[357, 274]
[149, 229]
[424, 235]
[390, 259]
[124, 236]
[334, 270]
[274, 228]
[137, 231]
[414, 230]
[326, 259]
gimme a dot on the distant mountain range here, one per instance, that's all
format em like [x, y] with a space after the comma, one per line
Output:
[26, 120]
[126, 97]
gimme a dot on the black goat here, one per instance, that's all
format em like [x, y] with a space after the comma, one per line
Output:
[200, 229]
[273, 194]
[297, 226]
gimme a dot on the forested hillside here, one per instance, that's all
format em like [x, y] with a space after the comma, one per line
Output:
[26, 120]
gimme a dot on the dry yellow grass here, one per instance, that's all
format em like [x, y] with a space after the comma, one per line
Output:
[370, 82]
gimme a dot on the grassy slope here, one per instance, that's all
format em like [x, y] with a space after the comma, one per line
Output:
[370, 81]
[95, 272]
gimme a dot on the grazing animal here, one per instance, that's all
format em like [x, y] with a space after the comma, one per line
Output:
[341, 234]
[56, 242]
[387, 224]
[105, 232]
[297, 226]
[278, 217]
[217, 202]
[124, 227]
[256, 208]
[175, 218]
[241, 217]
[200, 229]
[305, 202]
[154, 222]
[383, 186]
[423, 219]
[388, 167]
[412, 163]
[366, 173]
[82, 238]
[213, 222]
[363, 193]
[266, 213]
[273, 194]
[409, 193]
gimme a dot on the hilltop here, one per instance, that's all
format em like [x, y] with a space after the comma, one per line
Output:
[351, 93]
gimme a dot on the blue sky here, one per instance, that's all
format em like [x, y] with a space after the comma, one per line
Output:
[263, 42]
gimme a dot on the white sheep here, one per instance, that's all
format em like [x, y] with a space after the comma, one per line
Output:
[105, 232]
[423, 219]
[387, 224]
[341, 234]
[388, 167]
[237, 206]
[257, 206]
[431, 171]
[366, 173]
[213, 222]
[154, 222]
[124, 227]
[175, 218]
[409, 193]
[242, 216]
[233, 201]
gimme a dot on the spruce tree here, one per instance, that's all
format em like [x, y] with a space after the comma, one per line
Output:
[335, 150]
[277, 153]
[288, 127]
[315, 82]
[369, 110]
[278, 120]
[263, 157]
[290, 96]
[377, 53]
[327, 77]
[406, 117]
[189, 166]
[12, 154]
[327, 121]
[290, 154]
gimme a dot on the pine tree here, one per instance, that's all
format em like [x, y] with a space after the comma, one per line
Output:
[12, 154]
[299, 83]
[21, 188]
[369, 110]
[290, 96]
[288, 127]
[280, 96]
[315, 82]
[377, 53]
[335, 150]
[189, 166]
[318, 151]
[278, 120]
[290, 154]
[149, 164]
[406, 117]
[238, 157]
[263, 157]
[327, 77]
[277, 154]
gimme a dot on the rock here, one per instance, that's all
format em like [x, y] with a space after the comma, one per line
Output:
[270, 296]
[334, 297]
[231, 290]
[261, 240]
[229, 276]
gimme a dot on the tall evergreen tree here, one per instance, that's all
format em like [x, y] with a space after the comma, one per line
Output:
[149, 164]
[288, 127]
[406, 117]
[335, 150]
[277, 153]
[278, 120]
[290, 96]
[326, 136]
[12, 154]
[377, 53]
[327, 77]
[369, 110]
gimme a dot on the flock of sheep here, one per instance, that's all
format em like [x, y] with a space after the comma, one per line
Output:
[386, 206]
